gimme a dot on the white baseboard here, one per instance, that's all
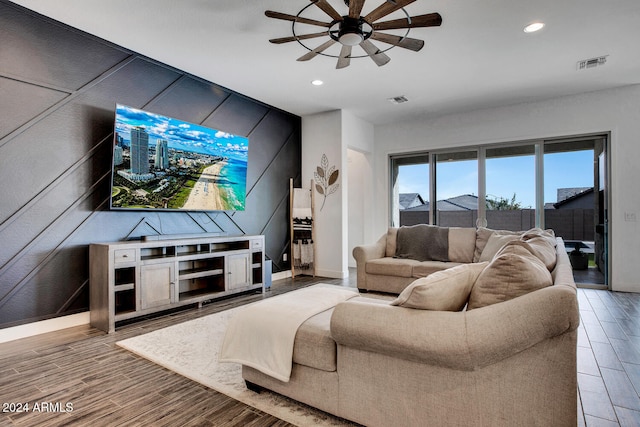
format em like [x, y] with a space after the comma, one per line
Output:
[332, 274]
[43, 326]
[281, 275]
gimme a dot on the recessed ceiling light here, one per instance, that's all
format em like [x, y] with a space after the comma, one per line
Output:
[317, 82]
[533, 27]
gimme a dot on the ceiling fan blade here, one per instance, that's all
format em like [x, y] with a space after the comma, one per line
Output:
[345, 57]
[286, 17]
[298, 37]
[428, 20]
[355, 8]
[328, 9]
[404, 42]
[312, 54]
[386, 8]
[380, 58]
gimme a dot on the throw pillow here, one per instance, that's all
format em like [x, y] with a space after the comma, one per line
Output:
[462, 244]
[446, 290]
[509, 275]
[537, 246]
[494, 244]
[482, 237]
[548, 234]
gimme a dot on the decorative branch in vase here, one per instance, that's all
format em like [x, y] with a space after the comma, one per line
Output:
[326, 179]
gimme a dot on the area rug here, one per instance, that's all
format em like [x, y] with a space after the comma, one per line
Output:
[191, 349]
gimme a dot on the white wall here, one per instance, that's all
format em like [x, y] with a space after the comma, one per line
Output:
[339, 135]
[322, 134]
[616, 111]
[358, 140]
[357, 175]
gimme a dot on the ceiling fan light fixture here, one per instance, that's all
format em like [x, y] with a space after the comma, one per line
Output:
[350, 39]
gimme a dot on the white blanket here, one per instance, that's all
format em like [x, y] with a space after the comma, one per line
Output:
[262, 334]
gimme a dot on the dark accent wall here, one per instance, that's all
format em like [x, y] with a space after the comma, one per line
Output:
[58, 90]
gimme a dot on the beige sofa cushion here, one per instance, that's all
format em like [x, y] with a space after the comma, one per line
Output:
[549, 235]
[510, 274]
[425, 268]
[494, 244]
[537, 246]
[392, 236]
[482, 237]
[446, 290]
[391, 266]
[313, 345]
[462, 244]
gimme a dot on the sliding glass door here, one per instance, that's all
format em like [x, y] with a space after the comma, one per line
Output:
[410, 178]
[575, 203]
[558, 184]
[510, 187]
[456, 189]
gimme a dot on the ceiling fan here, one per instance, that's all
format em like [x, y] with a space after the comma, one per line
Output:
[353, 29]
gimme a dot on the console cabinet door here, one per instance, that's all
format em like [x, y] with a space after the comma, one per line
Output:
[156, 284]
[238, 268]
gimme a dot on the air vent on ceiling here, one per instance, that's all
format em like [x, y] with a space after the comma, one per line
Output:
[398, 100]
[592, 62]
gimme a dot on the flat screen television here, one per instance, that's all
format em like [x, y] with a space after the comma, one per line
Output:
[161, 163]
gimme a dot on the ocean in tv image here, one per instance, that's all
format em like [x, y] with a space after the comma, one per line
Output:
[164, 163]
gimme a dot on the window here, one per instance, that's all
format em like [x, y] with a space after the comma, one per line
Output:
[558, 184]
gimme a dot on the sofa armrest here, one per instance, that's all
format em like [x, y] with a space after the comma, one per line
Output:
[466, 340]
[364, 253]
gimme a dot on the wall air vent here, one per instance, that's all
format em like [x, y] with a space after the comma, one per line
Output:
[398, 100]
[591, 63]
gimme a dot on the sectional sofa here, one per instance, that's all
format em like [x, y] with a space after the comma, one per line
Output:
[486, 343]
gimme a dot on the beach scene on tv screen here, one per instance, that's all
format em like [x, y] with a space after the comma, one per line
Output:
[164, 163]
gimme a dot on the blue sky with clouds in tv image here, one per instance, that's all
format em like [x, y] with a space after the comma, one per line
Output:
[181, 135]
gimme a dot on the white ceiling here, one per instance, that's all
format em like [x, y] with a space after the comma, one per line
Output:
[479, 57]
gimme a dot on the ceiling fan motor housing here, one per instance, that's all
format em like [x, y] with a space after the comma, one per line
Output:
[350, 32]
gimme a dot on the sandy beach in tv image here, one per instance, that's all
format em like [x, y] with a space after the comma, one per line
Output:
[206, 194]
[167, 164]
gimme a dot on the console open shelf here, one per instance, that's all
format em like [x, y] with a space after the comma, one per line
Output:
[131, 279]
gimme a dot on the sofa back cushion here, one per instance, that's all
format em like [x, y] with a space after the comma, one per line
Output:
[392, 236]
[446, 290]
[512, 272]
[462, 244]
[482, 238]
[494, 244]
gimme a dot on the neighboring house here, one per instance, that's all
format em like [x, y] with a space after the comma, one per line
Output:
[410, 200]
[574, 198]
[465, 202]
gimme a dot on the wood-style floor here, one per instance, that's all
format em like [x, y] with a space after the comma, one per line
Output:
[109, 386]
